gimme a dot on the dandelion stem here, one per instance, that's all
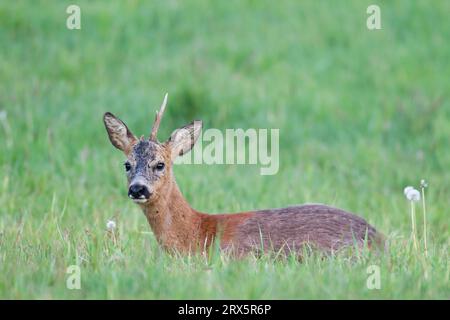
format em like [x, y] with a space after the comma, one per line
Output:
[424, 222]
[413, 224]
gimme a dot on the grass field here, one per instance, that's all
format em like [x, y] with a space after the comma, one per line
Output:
[361, 113]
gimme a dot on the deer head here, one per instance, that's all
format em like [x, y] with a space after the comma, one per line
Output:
[149, 162]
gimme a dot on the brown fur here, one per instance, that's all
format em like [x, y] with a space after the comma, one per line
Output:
[289, 229]
[179, 227]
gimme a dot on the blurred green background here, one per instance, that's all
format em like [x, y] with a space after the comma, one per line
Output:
[361, 115]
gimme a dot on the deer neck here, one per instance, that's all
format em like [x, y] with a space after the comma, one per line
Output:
[173, 221]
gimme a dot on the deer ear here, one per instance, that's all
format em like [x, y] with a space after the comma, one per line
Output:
[183, 139]
[119, 134]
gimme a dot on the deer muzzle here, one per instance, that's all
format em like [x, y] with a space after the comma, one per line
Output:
[139, 192]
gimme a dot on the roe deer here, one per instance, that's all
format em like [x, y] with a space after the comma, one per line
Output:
[179, 227]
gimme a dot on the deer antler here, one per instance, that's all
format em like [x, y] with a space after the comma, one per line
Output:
[158, 118]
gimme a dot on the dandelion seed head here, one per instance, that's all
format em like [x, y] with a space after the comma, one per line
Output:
[111, 225]
[413, 195]
[407, 189]
[423, 183]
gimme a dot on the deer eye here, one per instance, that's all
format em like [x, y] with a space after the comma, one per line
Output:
[159, 166]
[127, 166]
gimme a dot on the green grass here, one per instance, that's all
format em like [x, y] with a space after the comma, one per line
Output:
[361, 115]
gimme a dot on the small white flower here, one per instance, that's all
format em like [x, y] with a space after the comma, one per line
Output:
[111, 225]
[413, 195]
[407, 189]
[423, 183]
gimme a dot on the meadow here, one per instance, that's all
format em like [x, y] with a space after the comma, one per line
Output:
[361, 114]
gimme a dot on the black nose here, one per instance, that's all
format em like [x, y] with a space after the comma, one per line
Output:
[138, 191]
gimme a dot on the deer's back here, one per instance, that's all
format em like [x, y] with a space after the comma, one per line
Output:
[319, 226]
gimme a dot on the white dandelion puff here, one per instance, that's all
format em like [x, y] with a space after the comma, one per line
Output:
[423, 183]
[111, 225]
[413, 195]
[407, 189]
